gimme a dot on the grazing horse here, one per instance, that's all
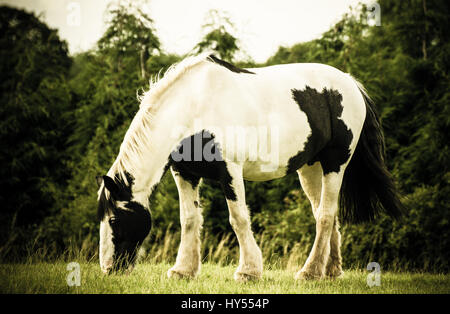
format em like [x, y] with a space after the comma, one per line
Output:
[207, 118]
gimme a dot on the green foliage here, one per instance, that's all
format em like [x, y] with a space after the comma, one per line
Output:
[34, 116]
[419, 241]
[219, 37]
[129, 31]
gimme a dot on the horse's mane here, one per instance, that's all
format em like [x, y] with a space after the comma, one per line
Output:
[159, 86]
[137, 139]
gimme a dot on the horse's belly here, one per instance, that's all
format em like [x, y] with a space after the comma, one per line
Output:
[265, 155]
[256, 171]
[273, 165]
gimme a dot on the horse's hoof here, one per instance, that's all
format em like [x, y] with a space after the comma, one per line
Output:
[304, 275]
[243, 277]
[178, 274]
[334, 273]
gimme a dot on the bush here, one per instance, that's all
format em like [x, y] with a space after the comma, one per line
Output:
[419, 241]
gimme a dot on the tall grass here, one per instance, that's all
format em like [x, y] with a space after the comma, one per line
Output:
[161, 246]
[222, 249]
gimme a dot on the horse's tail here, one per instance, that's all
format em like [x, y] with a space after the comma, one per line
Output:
[368, 188]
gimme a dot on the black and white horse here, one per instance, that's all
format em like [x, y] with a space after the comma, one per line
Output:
[207, 118]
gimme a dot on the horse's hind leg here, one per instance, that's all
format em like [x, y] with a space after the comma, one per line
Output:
[250, 259]
[188, 258]
[321, 259]
[334, 264]
[311, 181]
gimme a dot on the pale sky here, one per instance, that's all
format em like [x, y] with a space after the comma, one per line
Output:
[260, 25]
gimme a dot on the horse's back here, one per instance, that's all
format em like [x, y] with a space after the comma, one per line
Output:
[269, 89]
[284, 113]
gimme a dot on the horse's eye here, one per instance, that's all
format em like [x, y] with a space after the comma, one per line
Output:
[116, 230]
[113, 220]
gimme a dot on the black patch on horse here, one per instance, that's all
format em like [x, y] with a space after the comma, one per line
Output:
[130, 227]
[104, 205]
[119, 191]
[195, 164]
[227, 65]
[329, 142]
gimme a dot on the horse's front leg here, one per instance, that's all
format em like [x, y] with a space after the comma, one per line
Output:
[188, 259]
[250, 259]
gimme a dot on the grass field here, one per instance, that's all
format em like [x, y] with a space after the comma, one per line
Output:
[151, 278]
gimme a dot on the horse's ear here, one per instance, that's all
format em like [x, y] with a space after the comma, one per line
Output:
[99, 180]
[111, 186]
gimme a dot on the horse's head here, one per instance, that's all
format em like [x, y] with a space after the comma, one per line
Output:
[124, 224]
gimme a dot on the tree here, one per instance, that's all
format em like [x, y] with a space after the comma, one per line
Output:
[34, 116]
[130, 33]
[218, 37]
